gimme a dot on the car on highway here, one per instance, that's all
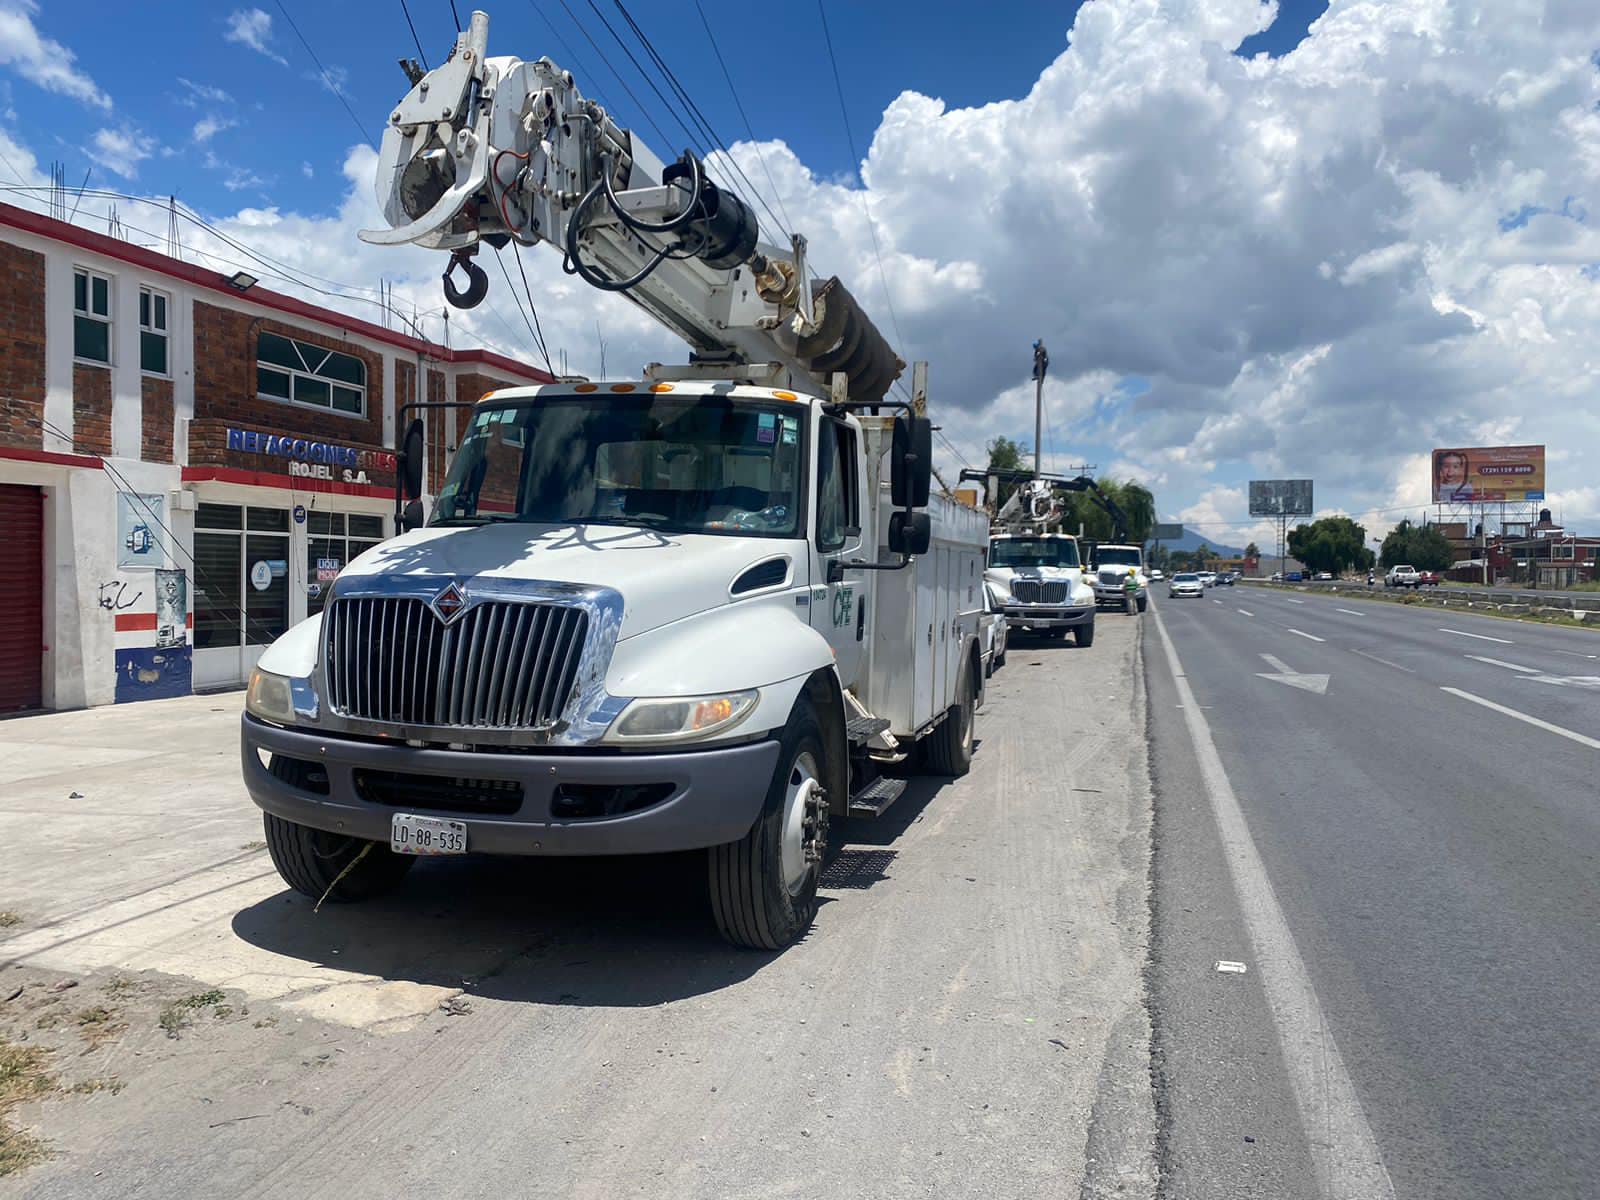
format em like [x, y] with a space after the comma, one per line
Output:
[1402, 575]
[1294, 577]
[1323, 576]
[1429, 579]
[1225, 579]
[1186, 583]
[1206, 578]
[1156, 575]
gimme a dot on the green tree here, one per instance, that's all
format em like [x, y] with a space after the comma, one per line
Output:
[1252, 551]
[1137, 504]
[1006, 455]
[1333, 544]
[1422, 546]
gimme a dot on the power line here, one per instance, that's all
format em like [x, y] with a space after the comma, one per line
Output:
[516, 252]
[421, 53]
[456, 15]
[643, 112]
[866, 207]
[786, 225]
[538, 339]
[326, 78]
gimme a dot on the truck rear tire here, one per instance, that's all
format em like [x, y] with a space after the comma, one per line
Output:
[1084, 634]
[309, 860]
[764, 886]
[948, 749]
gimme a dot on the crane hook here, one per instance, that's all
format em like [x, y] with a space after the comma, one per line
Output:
[477, 282]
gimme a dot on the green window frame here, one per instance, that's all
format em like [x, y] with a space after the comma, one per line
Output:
[297, 372]
[91, 316]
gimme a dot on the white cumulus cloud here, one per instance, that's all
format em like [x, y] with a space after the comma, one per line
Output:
[121, 150]
[43, 60]
[252, 27]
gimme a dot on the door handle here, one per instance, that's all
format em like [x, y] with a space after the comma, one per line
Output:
[861, 617]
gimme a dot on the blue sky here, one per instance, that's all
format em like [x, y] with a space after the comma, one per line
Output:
[250, 120]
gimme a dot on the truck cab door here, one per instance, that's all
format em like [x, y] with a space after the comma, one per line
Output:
[838, 607]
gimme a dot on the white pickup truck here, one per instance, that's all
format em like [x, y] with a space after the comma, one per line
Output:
[642, 618]
[1111, 566]
[1402, 575]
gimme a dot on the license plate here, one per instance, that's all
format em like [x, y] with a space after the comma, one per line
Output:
[411, 834]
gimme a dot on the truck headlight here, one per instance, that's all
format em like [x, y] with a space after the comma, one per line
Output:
[270, 697]
[681, 719]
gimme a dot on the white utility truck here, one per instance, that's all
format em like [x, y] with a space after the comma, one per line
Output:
[699, 610]
[1037, 569]
[1112, 565]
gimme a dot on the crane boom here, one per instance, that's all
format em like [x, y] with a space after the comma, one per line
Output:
[496, 150]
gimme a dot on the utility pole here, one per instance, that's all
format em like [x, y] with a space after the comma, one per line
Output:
[1041, 364]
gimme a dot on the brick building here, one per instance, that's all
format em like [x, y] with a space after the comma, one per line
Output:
[185, 463]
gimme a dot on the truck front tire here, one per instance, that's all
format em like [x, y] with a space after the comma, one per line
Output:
[1084, 634]
[948, 749]
[309, 860]
[764, 886]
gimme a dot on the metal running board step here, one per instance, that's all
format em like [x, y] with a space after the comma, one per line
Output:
[859, 729]
[872, 800]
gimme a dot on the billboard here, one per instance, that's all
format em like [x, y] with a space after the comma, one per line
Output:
[1280, 498]
[1488, 473]
[1167, 533]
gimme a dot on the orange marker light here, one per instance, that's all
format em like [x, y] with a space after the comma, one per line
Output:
[660, 387]
[622, 387]
[785, 396]
[587, 387]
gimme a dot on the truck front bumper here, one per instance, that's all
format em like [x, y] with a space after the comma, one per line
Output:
[1047, 616]
[1115, 593]
[697, 798]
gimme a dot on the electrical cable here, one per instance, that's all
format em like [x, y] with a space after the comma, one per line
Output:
[516, 253]
[456, 15]
[850, 140]
[421, 53]
[538, 339]
[786, 225]
[644, 112]
[326, 78]
[699, 117]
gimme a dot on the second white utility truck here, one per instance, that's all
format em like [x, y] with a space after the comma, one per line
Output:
[699, 610]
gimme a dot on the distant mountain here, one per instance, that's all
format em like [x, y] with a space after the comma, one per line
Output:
[1192, 540]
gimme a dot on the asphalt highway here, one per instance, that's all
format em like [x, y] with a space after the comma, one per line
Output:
[1420, 787]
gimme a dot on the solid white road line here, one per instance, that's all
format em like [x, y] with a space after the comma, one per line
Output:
[1575, 654]
[1312, 636]
[1581, 739]
[1344, 1153]
[1482, 637]
[1495, 662]
[1247, 612]
[1384, 661]
[1352, 612]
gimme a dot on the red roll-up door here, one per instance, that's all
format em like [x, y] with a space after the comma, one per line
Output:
[22, 594]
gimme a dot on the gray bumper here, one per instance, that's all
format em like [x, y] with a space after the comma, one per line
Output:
[1107, 593]
[1047, 616]
[716, 794]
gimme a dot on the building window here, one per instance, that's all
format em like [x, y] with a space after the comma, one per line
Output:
[91, 316]
[153, 307]
[304, 374]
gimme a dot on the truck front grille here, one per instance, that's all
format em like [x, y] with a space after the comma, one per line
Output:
[498, 666]
[1035, 591]
[397, 789]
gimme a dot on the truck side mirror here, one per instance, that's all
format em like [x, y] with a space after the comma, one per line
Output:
[411, 517]
[909, 533]
[911, 468]
[409, 462]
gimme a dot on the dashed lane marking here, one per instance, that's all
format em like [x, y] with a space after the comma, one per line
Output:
[1581, 739]
[1482, 637]
[1312, 636]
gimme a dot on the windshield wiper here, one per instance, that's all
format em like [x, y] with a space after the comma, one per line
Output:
[473, 520]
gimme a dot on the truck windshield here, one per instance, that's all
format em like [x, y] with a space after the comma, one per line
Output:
[695, 464]
[1033, 552]
[1117, 556]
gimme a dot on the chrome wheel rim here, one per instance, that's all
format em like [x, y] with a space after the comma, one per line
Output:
[804, 830]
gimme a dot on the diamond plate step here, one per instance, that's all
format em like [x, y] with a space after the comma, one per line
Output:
[859, 729]
[872, 800]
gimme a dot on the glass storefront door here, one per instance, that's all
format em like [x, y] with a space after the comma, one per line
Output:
[241, 588]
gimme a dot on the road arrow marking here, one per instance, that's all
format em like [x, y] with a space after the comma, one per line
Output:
[1577, 681]
[1495, 662]
[1482, 637]
[1306, 683]
[1312, 636]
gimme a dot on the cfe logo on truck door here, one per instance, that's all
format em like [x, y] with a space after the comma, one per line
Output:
[843, 604]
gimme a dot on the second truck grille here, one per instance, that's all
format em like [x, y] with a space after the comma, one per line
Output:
[499, 666]
[1034, 591]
